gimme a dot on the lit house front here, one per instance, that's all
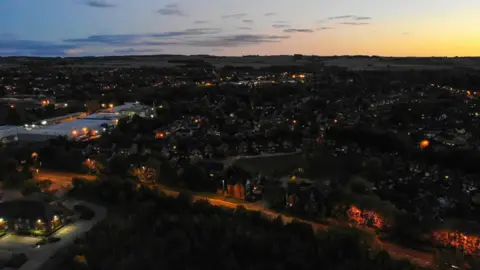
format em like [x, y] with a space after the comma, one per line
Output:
[27, 216]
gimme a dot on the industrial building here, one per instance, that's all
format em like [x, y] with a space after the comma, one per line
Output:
[81, 127]
[32, 215]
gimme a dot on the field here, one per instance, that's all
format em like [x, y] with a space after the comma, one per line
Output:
[404, 63]
[172, 61]
[266, 165]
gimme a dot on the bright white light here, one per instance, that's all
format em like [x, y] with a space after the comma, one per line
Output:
[33, 125]
[66, 105]
[152, 116]
[44, 122]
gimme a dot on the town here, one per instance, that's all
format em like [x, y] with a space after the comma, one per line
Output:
[95, 156]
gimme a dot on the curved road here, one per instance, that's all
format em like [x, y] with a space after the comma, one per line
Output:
[60, 179]
[420, 258]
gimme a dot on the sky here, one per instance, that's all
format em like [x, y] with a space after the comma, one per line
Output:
[246, 27]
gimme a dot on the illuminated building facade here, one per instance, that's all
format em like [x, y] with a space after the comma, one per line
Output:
[29, 216]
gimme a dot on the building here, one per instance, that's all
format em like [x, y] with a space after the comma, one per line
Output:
[75, 126]
[31, 216]
[7, 133]
[130, 109]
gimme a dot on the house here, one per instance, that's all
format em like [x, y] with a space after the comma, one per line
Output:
[31, 216]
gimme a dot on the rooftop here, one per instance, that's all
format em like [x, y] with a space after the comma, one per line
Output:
[7, 127]
[100, 116]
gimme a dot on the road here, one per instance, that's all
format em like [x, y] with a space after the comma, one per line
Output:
[61, 179]
[420, 258]
[37, 257]
[229, 161]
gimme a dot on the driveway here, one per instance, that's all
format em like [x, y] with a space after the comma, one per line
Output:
[38, 256]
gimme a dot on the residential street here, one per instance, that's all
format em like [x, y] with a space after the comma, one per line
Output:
[38, 256]
[417, 257]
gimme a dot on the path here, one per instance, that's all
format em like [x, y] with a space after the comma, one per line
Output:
[420, 258]
[39, 256]
[61, 179]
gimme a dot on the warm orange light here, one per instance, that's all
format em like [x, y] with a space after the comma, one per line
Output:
[74, 132]
[294, 121]
[85, 130]
[110, 105]
[424, 144]
[302, 76]
[294, 76]
[159, 135]
[365, 218]
[12, 106]
[196, 120]
[335, 121]
[469, 244]
[469, 93]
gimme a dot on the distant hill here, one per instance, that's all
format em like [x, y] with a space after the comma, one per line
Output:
[165, 61]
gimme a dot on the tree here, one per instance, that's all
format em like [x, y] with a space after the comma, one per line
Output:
[13, 117]
[30, 187]
[45, 185]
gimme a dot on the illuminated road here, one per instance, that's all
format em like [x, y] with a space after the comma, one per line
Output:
[61, 179]
[37, 257]
[420, 258]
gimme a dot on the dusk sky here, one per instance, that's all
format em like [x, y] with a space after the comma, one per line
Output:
[227, 27]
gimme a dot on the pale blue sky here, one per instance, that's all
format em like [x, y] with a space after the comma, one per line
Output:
[228, 27]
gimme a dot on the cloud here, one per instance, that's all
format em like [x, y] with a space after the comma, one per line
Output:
[4, 36]
[247, 21]
[352, 17]
[280, 25]
[143, 39]
[237, 40]
[35, 48]
[354, 23]
[270, 14]
[281, 22]
[99, 4]
[290, 30]
[245, 28]
[342, 17]
[148, 43]
[131, 51]
[73, 51]
[171, 10]
[324, 28]
[234, 16]
[200, 22]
